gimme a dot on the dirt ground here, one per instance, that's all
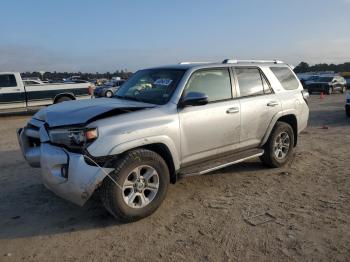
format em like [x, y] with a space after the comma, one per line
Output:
[204, 218]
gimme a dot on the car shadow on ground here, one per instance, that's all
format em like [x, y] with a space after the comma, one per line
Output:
[28, 208]
[327, 112]
[21, 113]
[336, 118]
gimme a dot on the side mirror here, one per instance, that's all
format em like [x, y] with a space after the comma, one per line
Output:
[195, 99]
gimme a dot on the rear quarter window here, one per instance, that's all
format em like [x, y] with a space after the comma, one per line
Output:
[7, 81]
[286, 77]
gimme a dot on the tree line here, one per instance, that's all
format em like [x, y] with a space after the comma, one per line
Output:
[124, 74]
[304, 67]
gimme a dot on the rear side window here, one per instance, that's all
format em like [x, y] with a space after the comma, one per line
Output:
[286, 77]
[251, 82]
[215, 83]
[7, 81]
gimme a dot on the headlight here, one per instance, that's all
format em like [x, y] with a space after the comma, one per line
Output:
[76, 137]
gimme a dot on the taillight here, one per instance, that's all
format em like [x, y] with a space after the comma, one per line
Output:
[305, 94]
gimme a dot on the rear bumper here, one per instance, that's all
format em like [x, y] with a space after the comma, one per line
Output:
[65, 173]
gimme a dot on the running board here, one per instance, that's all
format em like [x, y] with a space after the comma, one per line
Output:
[218, 163]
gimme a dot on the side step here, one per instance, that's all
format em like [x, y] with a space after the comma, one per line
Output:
[218, 163]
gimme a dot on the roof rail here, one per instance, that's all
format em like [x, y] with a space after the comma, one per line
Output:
[234, 61]
[188, 63]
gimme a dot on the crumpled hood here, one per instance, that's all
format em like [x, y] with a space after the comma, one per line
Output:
[81, 111]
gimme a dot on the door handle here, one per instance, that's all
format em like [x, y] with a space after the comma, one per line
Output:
[272, 103]
[232, 110]
[17, 89]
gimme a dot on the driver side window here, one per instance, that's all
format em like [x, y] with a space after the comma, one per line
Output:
[215, 83]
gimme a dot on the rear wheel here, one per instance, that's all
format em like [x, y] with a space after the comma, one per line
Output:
[279, 147]
[62, 99]
[329, 91]
[142, 177]
[109, 93]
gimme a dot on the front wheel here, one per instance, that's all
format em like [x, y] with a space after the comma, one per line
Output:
[279, 146]
[141, 178]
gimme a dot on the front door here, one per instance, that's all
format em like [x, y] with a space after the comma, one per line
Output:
[214, 128]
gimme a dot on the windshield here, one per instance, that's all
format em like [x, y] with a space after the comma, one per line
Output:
[153, 86]
[110, 84]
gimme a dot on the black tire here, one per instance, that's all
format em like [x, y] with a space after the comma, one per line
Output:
[329, 91]
[112, 196]
[108, 93]
[62, 99]
[269, 157]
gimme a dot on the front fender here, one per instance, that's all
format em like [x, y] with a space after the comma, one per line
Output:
[162, 139]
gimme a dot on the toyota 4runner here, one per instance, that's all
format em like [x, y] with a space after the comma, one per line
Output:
[163, 123]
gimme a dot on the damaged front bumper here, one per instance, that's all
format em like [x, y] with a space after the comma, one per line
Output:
[65, 173]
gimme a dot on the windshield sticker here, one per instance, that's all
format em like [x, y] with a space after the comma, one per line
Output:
[163, 82]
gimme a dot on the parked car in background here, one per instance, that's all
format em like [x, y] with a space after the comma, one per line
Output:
[306, 77]
[29, 82]
[326, 84]
[75, 80]
[347, 79]
[108, 89]
[180, 120]
[347, 105]
[18, 95]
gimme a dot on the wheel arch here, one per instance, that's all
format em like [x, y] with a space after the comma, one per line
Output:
[290, 119]
[162, 150]
[162, 145]
[58, 96]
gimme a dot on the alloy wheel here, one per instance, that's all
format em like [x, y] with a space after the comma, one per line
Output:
[140, 186]
[281, 146]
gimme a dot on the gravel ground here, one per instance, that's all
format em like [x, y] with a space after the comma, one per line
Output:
[302, 210]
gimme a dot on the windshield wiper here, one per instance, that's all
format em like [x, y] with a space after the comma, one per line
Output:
[129, 98]
[133, 98]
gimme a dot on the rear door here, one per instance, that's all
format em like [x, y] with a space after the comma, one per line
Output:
[258, 105]
[213, 128]
[12, 94]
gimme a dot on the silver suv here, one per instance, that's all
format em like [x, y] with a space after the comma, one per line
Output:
[163, 123]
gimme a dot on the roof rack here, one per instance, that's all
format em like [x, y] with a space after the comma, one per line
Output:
[188, 63]
[234, 61]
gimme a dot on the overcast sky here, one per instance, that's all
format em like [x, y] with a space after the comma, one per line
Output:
[91, 36]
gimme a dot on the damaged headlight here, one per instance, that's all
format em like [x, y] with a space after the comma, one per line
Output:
[77, 137]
